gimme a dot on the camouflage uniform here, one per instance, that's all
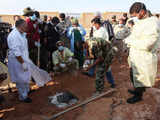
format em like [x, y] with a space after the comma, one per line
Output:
[62, 28]
[114, 23]
[121, 32]
[104, 49]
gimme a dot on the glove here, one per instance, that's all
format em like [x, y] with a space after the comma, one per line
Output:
[62, 65]
[37, 44]
[70, 59]
[79, 28]
[24, 66]
[35, 25]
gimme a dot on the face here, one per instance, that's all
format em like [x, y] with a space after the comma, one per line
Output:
[113, 19]
[16, 18]
[141, 14]
[121, 22]
[60, 47]
[45, 18]
[23, 27]
[97, 26]
[133, 15]
[75, 25]
[130, 25]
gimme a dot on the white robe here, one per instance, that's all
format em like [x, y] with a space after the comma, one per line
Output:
[18, 46]
[144, 42]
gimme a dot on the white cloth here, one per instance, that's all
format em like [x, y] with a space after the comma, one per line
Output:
[101, 33]
[18, 46]
[144, 42]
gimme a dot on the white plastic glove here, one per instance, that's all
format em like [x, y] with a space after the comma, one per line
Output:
[86, 63]
[62, 65]
[70, 59]
[24, 66]
[35, 25]
[37, 44]
[79, 28]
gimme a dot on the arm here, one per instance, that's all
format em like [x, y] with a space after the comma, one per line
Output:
[55, 59]
[69, 32]
[20, 59]
[98, 60]
[82, 30]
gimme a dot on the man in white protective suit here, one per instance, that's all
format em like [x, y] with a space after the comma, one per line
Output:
[143, 43]
[20, 67]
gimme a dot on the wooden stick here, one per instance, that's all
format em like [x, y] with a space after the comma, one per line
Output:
[81, 104]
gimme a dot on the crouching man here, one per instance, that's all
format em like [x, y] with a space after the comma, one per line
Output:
[104, 54]
[63, 59]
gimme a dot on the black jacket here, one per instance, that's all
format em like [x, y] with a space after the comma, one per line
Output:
[52, 37]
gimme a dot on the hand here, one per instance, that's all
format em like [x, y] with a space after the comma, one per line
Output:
[88, 68]
[70, 59]
[62, 65]
[37, 44]
[79, 28]
[24, 66]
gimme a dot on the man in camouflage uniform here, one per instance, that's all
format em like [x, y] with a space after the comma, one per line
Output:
[62, 28]
[114, 22]
[104, 53]
[121, 32]
[63, 59]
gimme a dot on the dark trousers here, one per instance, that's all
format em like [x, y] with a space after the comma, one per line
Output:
[44, 58]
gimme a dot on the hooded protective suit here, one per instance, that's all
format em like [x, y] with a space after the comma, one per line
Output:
[144, 42]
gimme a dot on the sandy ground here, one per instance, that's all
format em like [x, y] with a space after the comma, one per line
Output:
[80, 85]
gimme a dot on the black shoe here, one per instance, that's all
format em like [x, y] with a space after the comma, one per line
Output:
[134, 99]
[133, 92]
[113, 86]
[27, 100]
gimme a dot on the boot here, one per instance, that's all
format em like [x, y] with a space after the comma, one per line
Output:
[137, 96]
[134, 99]
[131, 91]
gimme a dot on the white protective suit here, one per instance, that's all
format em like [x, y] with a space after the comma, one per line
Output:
[18, 46]
[143, 42]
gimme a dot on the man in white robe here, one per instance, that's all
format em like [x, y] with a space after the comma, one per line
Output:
[20, 66]
[143, 42]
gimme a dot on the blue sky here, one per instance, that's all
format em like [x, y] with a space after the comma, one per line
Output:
[71, 6]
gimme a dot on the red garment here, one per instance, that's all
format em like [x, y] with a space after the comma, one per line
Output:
[32, 32]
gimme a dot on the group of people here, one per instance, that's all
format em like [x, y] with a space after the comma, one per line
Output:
[59, 45]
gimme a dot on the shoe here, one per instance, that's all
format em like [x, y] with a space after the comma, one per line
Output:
[113, 86]
[27, 100]
[134, 99]
[133, 92]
